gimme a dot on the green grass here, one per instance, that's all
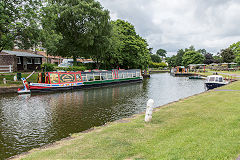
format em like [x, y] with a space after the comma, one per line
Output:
[208, 73]
[206, 126]
[11, 82]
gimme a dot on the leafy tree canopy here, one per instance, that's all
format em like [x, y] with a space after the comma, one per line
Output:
[161, 52]
[227, 55]
[155, 58]
[235, 48]
[192, 57]
[19, 23]
[172, 61]
[131, 50]
[208, 58]
[81, 24]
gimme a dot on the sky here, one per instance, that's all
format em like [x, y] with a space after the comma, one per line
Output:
[177, 24]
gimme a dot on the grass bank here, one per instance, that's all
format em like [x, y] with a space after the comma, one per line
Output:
[227, 74]
[12, 83]
[206, 126]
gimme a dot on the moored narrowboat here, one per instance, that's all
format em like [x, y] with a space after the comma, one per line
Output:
[59, 81]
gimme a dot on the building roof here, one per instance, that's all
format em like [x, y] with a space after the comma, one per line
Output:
[22, 54]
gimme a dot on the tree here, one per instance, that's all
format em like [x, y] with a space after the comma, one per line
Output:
[208, 58]
[19, 23]
[155, 58]
[192, 57]
[217, 59]
[131, 50]
[202, 51]
[82, 25]
[178, 58]
[227, 55]
[161, 52]
[150, 50]
[235, 48]
[172, 61]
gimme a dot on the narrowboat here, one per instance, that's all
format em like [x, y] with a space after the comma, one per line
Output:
[60, 81]
[215, 81]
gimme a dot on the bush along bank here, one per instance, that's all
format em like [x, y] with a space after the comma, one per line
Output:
[205, 126]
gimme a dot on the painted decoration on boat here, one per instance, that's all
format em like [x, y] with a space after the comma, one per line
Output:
[64, 78]
[54, 78]
[78, 77]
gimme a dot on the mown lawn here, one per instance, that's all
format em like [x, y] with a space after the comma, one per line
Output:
[206, 126]
[11, 82]
[233, 73]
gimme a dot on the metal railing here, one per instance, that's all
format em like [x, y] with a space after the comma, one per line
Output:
[6, 68]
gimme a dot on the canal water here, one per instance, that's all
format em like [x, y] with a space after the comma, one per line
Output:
[30, 121]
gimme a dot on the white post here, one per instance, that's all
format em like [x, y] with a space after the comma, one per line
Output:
[149, 110]
[10, 68]
[4, 81]
[15, 78]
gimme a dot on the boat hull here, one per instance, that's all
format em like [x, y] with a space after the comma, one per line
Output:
[214, 85]
[89, 84]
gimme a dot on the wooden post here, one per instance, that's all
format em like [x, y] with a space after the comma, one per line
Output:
[149, 110]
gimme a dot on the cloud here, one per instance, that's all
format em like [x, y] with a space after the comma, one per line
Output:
[176, 24]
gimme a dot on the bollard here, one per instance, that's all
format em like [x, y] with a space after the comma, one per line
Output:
[15, 78]
[4, 81]
[149, 110]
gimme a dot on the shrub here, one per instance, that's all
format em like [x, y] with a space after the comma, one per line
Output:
[73, 68]
[48, 67]
[158, 65]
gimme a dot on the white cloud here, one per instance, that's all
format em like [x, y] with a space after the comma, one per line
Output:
[176, 24]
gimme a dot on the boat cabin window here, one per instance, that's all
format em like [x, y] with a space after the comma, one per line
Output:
[110, 76]
[220, 79]
[65, 78]
[90, 77]
[103, 76]
[134, 74]
[78, 77]
[97, 76]
[211, 79]
[54, 78]
[216, 79]
[84, 77]
[120, 75]
[125, 75]
[138, 74]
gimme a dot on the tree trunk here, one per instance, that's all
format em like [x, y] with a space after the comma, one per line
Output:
[74, 60]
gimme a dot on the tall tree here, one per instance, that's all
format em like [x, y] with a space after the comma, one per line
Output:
[19, 23]
[208, 58]
[227, 55]
[178, 59]
[161, 52]
[192, 57]
[82, 24]
[172, 61]
[135, 49]
[202, 51]
[155, 58]
[235, 48]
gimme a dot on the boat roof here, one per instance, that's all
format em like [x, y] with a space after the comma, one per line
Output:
[215, 76]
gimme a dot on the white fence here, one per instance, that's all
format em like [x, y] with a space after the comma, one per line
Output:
[6, 68]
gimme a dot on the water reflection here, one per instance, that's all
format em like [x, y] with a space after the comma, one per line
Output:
[28, 121]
